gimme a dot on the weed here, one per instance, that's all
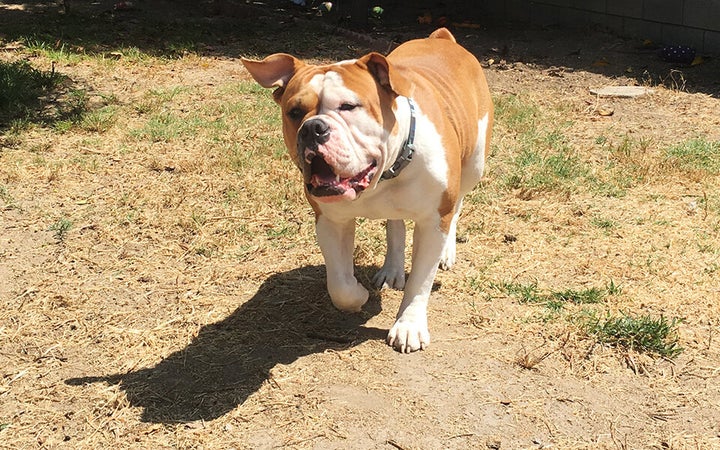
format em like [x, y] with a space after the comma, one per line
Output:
[613, 289]
[279, 231]
[581, 297]
[476, 283]
[604, 224]
[525, 293]
[204, 251]
[61, 227]
[529, 359]
[6, 197]
[639, 333]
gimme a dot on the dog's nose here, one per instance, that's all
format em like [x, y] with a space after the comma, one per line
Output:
[314, 132]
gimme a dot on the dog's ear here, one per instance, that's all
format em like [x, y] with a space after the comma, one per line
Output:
[273, 71]
[442, 33]
[379, 67]
[384, 73]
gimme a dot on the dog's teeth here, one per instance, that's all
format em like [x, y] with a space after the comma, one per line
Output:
[337, 178]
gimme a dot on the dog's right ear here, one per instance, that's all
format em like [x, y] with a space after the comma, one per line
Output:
[273, 71]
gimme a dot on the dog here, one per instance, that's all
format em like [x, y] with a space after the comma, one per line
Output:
[397, 137]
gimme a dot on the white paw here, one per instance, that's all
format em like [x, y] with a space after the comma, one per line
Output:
[390, 276]
[349, 297]
[409, 336]
[448, 255]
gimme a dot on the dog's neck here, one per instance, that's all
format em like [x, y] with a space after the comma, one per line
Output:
[408, 148]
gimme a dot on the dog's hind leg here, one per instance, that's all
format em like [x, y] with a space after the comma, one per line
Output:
[392, 273]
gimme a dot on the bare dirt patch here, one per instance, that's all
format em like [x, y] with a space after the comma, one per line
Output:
[183, 304]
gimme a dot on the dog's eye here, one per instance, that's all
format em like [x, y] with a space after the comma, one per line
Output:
[348, 106]
[296, 114]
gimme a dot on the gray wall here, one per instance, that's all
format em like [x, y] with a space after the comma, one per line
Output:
[688, 22]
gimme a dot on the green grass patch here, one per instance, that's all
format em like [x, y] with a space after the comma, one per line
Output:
[604, 224]
[555, 301]
[517, 114]
[627, 164]
[74, 112]
[696, 155]
[524, 293]
[21, 88]
[167, 127]
[54, 49]
[642, 333]
[531, 293]
[99, 120]
[582, 296]
[537, 156]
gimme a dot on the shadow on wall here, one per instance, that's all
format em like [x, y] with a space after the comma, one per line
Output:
[290, 316]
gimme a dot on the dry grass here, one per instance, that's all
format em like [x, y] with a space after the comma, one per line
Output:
[161, 285]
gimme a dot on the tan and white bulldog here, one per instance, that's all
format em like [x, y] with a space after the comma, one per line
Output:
[397, 137]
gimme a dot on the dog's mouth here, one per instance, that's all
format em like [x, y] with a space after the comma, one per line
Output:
[324, 182]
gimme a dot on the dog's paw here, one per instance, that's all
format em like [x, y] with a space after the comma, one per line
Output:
[408, 336]
[349, 297]
[447, 258]
[390, 277]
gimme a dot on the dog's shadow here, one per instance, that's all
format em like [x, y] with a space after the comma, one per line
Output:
[290, 316]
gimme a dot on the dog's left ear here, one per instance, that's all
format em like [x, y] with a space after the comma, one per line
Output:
[379, 67]
[273, 71]
[384, 74]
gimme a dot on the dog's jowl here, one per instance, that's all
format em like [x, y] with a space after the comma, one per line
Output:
[397, 137]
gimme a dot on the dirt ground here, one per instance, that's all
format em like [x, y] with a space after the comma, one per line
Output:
[185, 307]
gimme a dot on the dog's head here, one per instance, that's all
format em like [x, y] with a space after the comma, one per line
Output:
[337, 119]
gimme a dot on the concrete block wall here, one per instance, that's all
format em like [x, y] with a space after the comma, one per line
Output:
[688, 22]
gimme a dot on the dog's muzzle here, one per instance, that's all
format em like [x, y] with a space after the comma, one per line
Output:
[320, 177]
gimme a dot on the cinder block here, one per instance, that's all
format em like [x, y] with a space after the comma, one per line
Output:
[607, 21]
[517, 10]
[566, 3]
[495, 8]
[577, 18]
[702, 14]
[642, 29]
[625, 8]
[711, 43]
[664, 11]
[545, 15]
[591, 5]
[679, 35]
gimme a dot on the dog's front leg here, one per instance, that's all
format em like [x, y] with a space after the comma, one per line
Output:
[410, 332]
[336, 241]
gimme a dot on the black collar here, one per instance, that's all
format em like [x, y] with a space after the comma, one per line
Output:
[406, 154]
